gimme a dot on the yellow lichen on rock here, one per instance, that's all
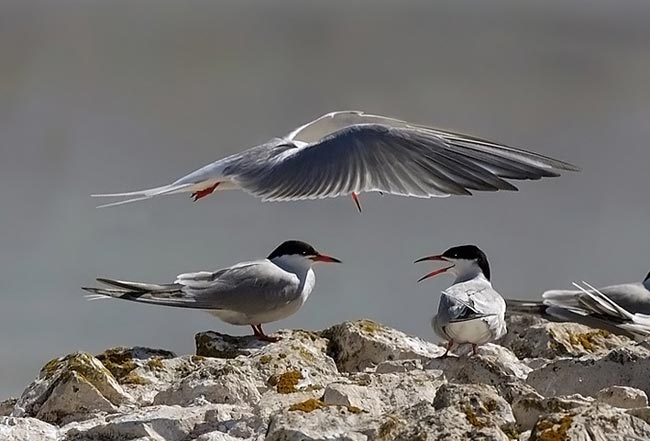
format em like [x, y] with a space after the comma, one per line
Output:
[308, 405]
[546, 430]
[287, 382]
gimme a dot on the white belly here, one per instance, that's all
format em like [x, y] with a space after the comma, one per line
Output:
[471, 331]
[273, 315]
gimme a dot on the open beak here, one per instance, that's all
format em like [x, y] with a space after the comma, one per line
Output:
[436, 272]
[325, 258]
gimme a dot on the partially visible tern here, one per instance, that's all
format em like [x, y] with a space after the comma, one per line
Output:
[622, 309]
[350, 152]
[470, 310]
[248, 293]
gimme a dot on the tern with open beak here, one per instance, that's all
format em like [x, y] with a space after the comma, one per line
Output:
[470, 310]
[350, 152]
[248, 293]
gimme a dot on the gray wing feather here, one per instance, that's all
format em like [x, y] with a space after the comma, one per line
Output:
[404, 160]
[461, 302]
[622, 309]
[247, 288]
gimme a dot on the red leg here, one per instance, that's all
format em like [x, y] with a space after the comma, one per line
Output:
[205, 192]
[474, 349]
[259, 333]
[450, 345]
[356, 201]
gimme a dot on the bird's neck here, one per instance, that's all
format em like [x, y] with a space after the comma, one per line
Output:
[471, 274]
[297, 265]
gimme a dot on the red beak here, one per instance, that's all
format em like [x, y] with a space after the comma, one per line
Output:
[325, 258]
[436, 272]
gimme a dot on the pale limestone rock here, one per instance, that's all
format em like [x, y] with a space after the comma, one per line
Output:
[626, 366]
[380, 393]
[623, 397]
[170, 423]
[361, 344]
[224, 383]
[143, 372]
[300, 352]
[26, 429]
[534, 337]
[390, 367]
[493, 365]
[596, 422]
[217, 345]
[391, 387]
[71, 387]
[527, 409]
[327, 423]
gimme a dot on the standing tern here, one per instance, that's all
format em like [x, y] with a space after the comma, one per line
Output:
[248, 293]
[470, 310]
[350, 152]
[622, 309]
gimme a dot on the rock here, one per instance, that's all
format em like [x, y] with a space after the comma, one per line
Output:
[379, 393]
[527, 409]
[144, 372]
[355, 381]
[362, 344]
[7, 406]
[316, 422]
[493, 365]
[596, 422]
[217, 383]
[623, 397]
[217, 345]
[72, 387]
[168, 423]
[26, 429]
[589, 374]
[389, 367]
[301, 354]
[458, 412]
[534, 337]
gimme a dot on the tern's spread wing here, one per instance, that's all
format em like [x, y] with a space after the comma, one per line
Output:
[347, 152]
[247, 288]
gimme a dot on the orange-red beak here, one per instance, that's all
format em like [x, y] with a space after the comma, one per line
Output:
[325, 258]
[436, 272]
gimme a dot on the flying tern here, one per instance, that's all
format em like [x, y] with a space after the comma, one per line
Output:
[622, 309]
[470, 310]
[248, 293]
[350, 152]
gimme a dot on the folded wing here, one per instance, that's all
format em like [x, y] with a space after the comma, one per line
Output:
[247, 288]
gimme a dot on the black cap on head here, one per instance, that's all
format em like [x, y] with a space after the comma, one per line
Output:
[470, 252]
[293, 247]
[647, 277]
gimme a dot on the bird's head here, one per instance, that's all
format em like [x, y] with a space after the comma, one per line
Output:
[466, 261]
[299, 253]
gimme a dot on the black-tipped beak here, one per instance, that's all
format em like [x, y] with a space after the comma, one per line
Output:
[438, 257]
[325, 258]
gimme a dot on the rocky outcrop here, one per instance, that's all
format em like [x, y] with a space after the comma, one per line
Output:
[355, 381]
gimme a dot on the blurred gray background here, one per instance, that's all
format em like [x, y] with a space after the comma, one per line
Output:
[120, 95]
